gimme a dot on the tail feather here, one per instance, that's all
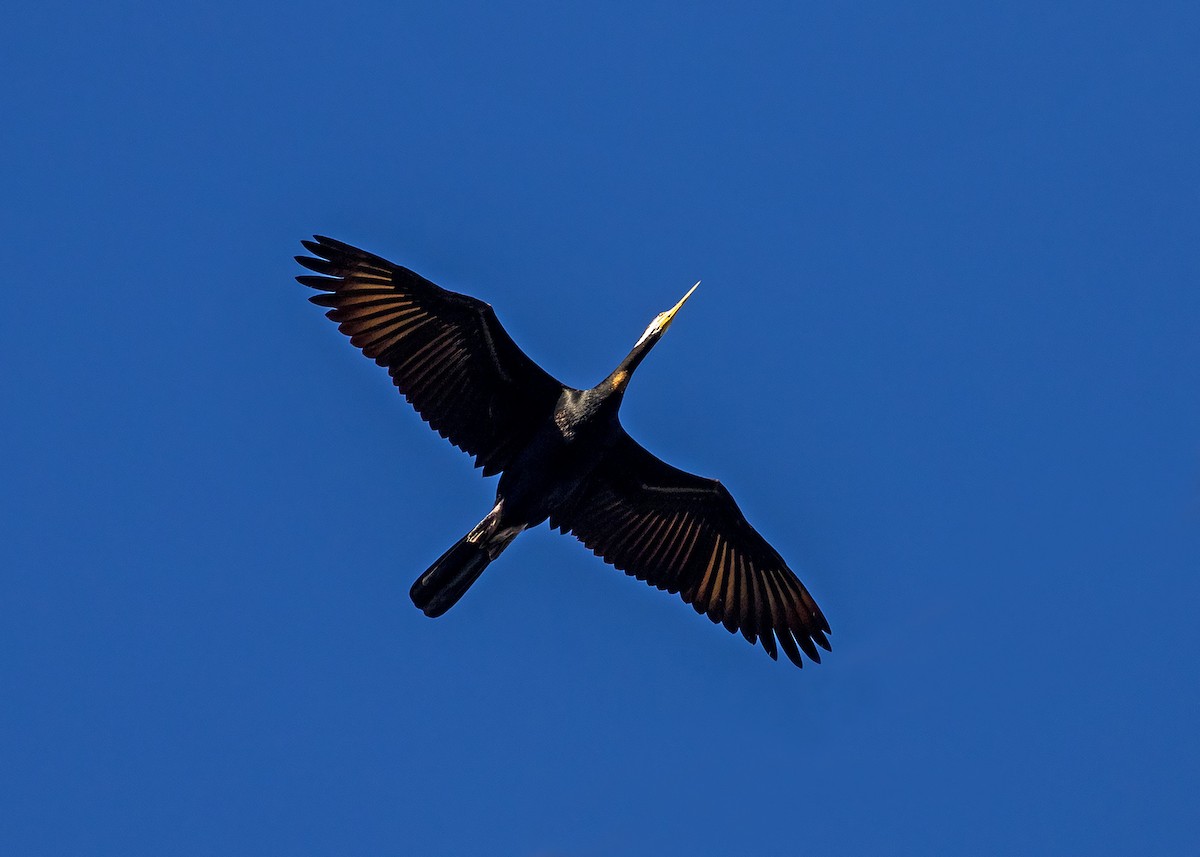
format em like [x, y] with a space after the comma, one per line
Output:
[439, 588]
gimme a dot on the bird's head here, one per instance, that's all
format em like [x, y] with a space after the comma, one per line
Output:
[619, 379]
[663, 320]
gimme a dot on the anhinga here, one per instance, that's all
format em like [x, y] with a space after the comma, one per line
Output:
[562, 455]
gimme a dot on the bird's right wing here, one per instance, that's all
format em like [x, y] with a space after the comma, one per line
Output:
[446, 352]
[685, 534]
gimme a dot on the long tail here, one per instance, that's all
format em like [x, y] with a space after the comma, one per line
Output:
[448, 579]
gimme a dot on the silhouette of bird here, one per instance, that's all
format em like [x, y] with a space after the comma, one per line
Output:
[562, 454]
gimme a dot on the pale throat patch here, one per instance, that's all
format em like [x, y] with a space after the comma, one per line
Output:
[655, 327]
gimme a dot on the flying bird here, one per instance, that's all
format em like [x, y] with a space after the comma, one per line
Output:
[561, 453]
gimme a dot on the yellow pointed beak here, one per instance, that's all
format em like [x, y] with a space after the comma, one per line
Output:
[670, 314]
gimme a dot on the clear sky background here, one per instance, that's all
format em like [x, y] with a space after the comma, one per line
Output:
[946, 355]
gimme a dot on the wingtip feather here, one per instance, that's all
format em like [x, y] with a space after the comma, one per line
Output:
[788, 644]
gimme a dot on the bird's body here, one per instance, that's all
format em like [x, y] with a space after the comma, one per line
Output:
[562, 454]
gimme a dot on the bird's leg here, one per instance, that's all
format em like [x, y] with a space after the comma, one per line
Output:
[493, 533]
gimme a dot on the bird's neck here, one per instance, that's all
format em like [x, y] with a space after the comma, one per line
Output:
[618, 380]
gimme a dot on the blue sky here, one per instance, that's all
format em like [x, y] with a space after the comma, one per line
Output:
[945, 354]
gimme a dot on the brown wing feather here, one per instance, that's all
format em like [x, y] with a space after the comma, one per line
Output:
[446, 352]
[685, 534]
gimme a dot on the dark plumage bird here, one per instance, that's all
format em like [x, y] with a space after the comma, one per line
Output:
[562, 455]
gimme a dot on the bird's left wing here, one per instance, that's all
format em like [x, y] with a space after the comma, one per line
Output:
[685, 534]
[446, 352]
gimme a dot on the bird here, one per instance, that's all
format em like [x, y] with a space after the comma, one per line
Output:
[562, 455]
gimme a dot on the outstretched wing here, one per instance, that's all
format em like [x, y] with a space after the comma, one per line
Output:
[685, 534]
[446, 352]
